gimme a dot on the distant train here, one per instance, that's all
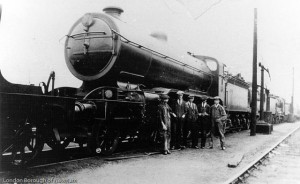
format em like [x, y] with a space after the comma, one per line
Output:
[123, 72]
[276, 109]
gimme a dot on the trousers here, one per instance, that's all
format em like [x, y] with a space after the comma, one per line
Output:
[195, 133]
[205, 127]
[192, 126]
[177, 129]
[166, 139]
[218, 130]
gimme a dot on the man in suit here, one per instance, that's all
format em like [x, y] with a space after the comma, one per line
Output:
[191, 118]
[179, 123]
[218, 117]
[204, 119]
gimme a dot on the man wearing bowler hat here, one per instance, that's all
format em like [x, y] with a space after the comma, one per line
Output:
[179, 123]
[191, 118]
[164, 111]
[218, 117]
[204, 118]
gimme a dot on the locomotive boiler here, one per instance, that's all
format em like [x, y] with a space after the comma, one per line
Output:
[101, 49]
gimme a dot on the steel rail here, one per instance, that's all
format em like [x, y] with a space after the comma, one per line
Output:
[114, 157]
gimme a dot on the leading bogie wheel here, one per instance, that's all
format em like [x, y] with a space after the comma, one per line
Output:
[26, 144]
[104, 140]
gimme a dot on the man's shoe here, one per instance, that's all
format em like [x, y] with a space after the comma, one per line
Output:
[210, 147]
[195, 147]
[202, 147]
[165, 152]
[223, 148]
[169, 152]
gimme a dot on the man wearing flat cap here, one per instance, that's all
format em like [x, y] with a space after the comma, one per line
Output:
[204, 118]
[218, 117]
[191, 118]
[164, 111]
[179, 124]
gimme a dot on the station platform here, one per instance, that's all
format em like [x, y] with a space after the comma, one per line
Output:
[184, 166]
[190, 165]
[282, 166]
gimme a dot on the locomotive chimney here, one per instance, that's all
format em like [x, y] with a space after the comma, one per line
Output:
[113, 11]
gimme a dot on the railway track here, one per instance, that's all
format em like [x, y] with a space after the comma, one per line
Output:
[247, 171]
[127, 151]
[117, 156]
[75, 153]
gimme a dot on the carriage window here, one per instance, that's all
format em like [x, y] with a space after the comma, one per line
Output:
[212, 65]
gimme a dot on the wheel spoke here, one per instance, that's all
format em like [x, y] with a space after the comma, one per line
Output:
[8, 148]
[30, 147]
[25, 145]
[22, 155]
[106, 140]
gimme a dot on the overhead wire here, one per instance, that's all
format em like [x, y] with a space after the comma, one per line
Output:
[205, 11]
[188, 11]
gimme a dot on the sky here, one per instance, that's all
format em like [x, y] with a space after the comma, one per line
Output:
[32, 35]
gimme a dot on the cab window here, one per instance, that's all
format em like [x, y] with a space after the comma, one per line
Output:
[212, 65]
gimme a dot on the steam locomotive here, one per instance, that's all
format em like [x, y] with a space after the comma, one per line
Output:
[276, 108]
[123, 72]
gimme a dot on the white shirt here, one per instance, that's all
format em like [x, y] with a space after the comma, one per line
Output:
[179, 101]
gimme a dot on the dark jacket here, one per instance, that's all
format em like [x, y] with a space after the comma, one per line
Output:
[192, 112]
[179, 109]
[204, 120]
[205, 109]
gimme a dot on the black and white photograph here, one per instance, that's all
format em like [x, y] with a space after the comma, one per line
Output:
[150, 91]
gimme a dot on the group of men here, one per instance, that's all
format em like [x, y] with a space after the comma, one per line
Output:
[189, 118]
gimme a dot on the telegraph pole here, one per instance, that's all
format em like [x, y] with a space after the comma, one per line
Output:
[254, 79]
